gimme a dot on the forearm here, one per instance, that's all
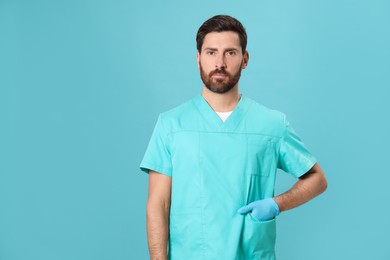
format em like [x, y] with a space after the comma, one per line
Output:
[306, 188]
[157, 214]
[157, 225]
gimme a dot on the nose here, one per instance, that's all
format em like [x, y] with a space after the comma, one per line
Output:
[220, 62]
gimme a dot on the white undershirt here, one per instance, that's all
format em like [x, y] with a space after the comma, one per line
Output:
[224, 115]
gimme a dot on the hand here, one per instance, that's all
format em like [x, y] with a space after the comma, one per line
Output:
[262, 210]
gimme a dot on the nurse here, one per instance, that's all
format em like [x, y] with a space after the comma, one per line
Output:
[212, 162]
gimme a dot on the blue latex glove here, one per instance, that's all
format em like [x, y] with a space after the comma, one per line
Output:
[262, 210]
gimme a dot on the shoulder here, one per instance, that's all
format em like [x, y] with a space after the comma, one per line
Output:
[265, 111]
[265, 118]
[179, 110]
[179, 116]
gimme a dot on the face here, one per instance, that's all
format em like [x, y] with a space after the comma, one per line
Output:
[221, 61]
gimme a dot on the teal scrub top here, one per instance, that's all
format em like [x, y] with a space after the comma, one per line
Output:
[218, 167]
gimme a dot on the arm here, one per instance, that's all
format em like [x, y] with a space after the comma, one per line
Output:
[309, 185]
[157, 215]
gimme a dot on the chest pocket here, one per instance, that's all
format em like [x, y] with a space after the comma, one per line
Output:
[262, 154]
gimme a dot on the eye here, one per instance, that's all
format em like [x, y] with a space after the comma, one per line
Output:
[230, 53]
[210, 53]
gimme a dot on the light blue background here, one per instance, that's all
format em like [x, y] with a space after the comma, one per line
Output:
[82, 84]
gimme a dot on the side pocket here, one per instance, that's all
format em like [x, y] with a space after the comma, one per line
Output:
[259, 238]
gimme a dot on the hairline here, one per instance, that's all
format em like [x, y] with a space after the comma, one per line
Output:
[222, 23]
[222, 31]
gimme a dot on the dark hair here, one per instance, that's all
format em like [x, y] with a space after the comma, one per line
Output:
[221, 23]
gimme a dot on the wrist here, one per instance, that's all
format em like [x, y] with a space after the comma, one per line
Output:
[278, 205]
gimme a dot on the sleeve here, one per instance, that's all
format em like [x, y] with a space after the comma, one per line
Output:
[157, 156]
[294, 157]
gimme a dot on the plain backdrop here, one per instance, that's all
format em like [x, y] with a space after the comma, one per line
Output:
[82, 83]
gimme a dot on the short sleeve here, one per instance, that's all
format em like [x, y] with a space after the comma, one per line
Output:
[294, 157]
[157, 156]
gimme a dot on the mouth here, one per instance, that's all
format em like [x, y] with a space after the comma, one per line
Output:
[219, 76]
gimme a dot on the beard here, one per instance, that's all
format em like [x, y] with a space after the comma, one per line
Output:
[222, 85]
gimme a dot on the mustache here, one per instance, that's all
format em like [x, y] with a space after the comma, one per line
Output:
[219, 71]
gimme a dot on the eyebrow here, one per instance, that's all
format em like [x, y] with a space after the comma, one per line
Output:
[210, 49]
[215, 49]
[231, 49]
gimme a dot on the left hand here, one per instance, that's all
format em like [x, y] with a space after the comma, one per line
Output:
[262, 210]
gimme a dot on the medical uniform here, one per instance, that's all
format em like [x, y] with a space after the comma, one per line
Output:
[218, 167]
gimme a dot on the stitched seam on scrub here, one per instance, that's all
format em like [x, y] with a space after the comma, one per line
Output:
[219, 132]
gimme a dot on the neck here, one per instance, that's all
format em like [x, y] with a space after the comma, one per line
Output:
[222, 102]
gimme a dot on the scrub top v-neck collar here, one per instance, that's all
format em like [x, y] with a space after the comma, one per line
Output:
[214, 122]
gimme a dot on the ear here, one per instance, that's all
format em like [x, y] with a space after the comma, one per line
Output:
[245, 60]
[198, 59]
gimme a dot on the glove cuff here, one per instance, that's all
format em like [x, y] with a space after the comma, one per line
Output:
[276, 207]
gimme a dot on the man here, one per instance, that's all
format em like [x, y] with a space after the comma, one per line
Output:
[212, 163]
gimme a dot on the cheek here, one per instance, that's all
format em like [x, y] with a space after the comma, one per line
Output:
[206, 63]
[206, 66]
[237, 66]
[235, 62]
